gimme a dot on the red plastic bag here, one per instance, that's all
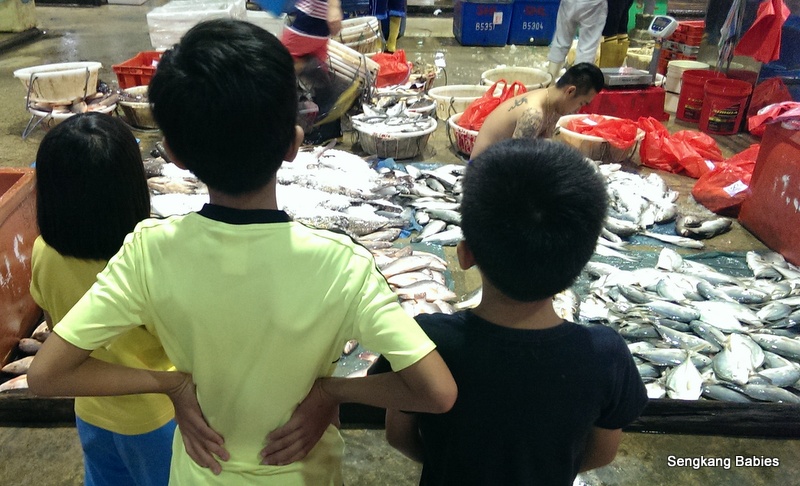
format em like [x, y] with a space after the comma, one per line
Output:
[393, 68]
[687, 152]
[770, 91]
[478, 110]
[724, 188]
[620, 133]
[762, 41]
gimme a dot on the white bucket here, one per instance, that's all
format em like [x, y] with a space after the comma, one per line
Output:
[532, 78]
[595, 148]
[675, 71]
[464, 137]
[455, 98]
[61, 83]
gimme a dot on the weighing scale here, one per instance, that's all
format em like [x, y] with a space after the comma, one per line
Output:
[660, 28]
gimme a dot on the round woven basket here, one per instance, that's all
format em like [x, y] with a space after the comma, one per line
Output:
[402, 145]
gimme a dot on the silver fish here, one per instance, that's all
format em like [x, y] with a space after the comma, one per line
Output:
[433, 227]
[725, 394]
[29, 345]
[744, 295]
[446, 215]
[671, 357]
[673, 311]
[784, 346]
[684, 382]
[772, 360]
[675, 240]
[719, 314]
[669, 291]
[409, 264]
[389, 234]
[18, 367]
[633, 294]
[710, 292]
[769, 393]
[684, 340]
[620, 227]
[470, 300]
[610, 252]
[429, 290]
[707, 273]
[783, 376]
[446, 238]
[709, 333]
[599, 269]
[704, 229]
[638, 331]
[655, 390]
[647, 370]
[733, 363]
[774, 311]
[17, 383]
[760, 267]
[669, 260]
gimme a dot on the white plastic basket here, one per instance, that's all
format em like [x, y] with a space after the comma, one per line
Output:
[464, 137]
[532, 78]
[595, 148]
[400, 145]
[138, 113]
[61, 83]
[455, 98]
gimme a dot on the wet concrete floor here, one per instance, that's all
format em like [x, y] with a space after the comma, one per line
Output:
[111, 34]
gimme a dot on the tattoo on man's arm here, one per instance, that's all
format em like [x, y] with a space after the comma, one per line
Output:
[518, 102]
[529, 124]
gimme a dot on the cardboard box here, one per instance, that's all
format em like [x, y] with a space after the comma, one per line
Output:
[533, 23]
[481, 24]
[19, 314]
[772, 212]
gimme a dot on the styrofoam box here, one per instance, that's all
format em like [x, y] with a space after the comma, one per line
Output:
[168, 23]
[267, 21]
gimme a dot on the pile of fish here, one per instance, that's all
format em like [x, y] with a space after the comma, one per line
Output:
[695, 331]
[638, 203]
[19, 368]
[418, 279]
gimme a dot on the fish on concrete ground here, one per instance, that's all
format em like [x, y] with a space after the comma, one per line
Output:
[18, 367]
[17, 383]
[599, 269]
[610, 252]
[446, 215]
[669, 260]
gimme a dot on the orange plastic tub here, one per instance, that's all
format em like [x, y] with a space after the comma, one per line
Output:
[19, 314]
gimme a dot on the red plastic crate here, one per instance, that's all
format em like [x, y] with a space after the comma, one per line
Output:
[629, 103]
[771, 211]
[137, 71]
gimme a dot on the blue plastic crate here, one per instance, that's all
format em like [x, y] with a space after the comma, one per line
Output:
[533, 23]
[790, 77]
[481, 23]
[790, 40]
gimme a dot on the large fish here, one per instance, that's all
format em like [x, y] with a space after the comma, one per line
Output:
[684, 382]
[18, 367]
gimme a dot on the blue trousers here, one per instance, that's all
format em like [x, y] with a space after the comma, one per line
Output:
[111, 459]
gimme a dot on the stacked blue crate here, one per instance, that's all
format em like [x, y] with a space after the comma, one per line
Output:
[482, 23]
[533, 23]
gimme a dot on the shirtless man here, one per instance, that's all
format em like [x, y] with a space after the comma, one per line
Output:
[534, 114]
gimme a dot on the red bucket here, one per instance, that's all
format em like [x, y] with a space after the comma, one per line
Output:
[690, 102]
[724, 106]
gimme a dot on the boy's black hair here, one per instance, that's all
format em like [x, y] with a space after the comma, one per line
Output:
[531, 214]
[585, 76]
[225, 98]
[91, 186]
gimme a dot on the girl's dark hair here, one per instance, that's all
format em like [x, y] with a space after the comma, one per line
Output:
[91, 186]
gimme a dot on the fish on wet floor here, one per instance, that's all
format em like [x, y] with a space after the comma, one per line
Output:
[17, 383]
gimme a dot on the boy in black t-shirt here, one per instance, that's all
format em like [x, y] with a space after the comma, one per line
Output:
[539, 398]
